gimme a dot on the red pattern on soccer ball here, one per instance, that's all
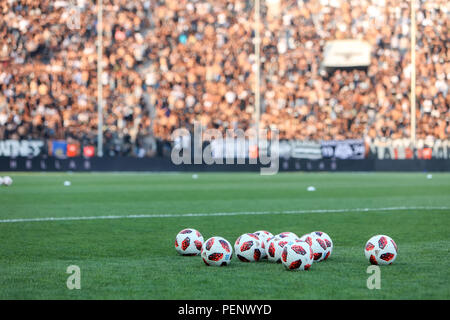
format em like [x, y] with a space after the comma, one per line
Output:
[369, 246]
[185, 231]
[272, 250]
[328, 243]
[282, 243]
[176, 243]
[387, 256]
[198, 244]
[373, 260]
[185, 243]
[243, 259]
[254, 236]
[209, 244]
[322, 244]
[395, 246]
[307, 266]
[295, 264]
[317, 255]
[319, 233]
[215, 256]
[299, 249]
[308, 240]
[246, 245]
[198, 234]
[382, 242]
[284, 254]
[257, 255]
[326, 256]
[237, 241]
[224, 245]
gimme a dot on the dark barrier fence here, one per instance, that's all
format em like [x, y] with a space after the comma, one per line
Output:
[165, 164]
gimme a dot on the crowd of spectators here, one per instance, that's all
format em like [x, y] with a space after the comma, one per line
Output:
[168, 63]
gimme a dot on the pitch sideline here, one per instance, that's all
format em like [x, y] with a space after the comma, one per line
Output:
[175, 215]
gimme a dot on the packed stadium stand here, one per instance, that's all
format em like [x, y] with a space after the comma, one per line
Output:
[169, 63]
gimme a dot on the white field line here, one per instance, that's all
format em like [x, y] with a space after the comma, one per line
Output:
[215, 214]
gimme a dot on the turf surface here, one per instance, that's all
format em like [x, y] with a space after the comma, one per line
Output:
[134, 258]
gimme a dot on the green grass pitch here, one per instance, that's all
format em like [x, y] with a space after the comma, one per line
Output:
[135, 258]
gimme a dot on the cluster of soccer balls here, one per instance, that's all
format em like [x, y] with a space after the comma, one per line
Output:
[6, 181]
[295, 253]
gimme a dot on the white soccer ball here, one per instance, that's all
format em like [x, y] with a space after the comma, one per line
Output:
[263, 235]
[328, 242]
[318, 245]
[275, 248]
[381, 250]
[248, 247]
[297, 255]
[189, 242]
[7, 181]
[216, 251]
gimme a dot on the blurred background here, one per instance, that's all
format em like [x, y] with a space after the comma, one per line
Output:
[335, 77]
